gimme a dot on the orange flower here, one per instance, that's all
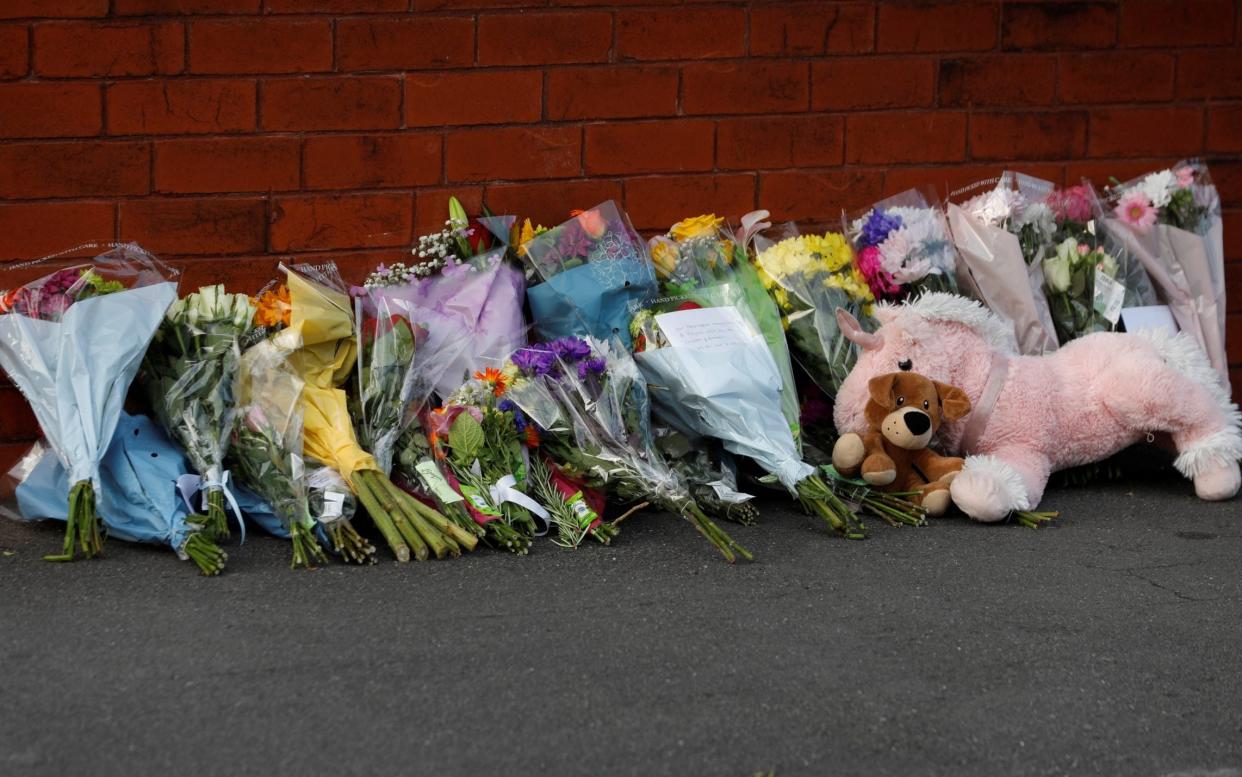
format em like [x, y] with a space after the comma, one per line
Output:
[495, 377]
[532, 436]
[592, 223]
[273, 307]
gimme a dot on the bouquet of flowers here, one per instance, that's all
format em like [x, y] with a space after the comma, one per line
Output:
[464, 291]
[711, 371]
[416, 471]
[1003, 228]
[72, 340]
[589, 404]
[574, 508]
[188, 374]
[138, 500]
[1171, 221]
[594, 269]
[483, 440]
[810, 276]
[322, 345]
[904, 247]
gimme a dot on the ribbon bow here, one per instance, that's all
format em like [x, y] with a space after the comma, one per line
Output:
[189, 484]
[503, 491]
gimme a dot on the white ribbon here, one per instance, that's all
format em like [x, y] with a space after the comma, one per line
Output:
[503, 491]
[188, 485]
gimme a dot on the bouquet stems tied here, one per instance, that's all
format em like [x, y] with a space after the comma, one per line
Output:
[205, 553]
[409, 527]
[819, 498]
[82, 530]
[1035, 519]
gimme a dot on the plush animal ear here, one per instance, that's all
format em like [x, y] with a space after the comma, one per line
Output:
[881, 389]
[854, 332]
[954, 403]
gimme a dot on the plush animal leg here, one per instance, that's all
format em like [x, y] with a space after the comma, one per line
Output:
[991, 487]
[848, 453]
[1180, 393]
[935, 498]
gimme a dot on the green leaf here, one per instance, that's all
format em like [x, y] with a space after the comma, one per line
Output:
[465, 438]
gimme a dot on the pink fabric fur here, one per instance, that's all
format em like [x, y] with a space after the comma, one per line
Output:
[1088, 400]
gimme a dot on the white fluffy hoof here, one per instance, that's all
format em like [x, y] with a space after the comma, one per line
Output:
[936, 503]
[1219, 483]
[848, 452]
[988, 489]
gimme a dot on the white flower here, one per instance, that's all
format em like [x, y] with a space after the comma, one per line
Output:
[1041, 217]
[995, 206]
[1159, 187]
[1057, 272]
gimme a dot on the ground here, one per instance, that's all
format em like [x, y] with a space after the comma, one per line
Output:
[1106, 645]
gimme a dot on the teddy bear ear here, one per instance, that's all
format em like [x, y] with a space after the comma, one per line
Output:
[954, 403]
[881, 389]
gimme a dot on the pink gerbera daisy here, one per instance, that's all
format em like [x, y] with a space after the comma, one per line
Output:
[1137, 211]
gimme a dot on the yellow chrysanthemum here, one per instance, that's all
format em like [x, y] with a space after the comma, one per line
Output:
[699, 226]
[664, 257]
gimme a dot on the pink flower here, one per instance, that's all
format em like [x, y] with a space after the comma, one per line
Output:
[1083, 249]
[1137, 211]
[1073, 203]
[1185, 176]
[871, 265]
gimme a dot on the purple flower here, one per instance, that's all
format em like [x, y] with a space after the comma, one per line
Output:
[877, 226]
[573, 241]
[534, 360]
[594, 365]
[571, 348]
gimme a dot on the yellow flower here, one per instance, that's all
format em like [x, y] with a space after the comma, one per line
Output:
[527, 234]
[699, 226]
[664, 256]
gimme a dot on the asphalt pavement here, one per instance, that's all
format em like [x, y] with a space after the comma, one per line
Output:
[1108, 644]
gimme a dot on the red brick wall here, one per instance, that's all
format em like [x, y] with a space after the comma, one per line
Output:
[226, 133]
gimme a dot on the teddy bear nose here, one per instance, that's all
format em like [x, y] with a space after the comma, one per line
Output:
[917, 422]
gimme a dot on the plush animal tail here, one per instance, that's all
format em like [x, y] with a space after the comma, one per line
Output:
[1219, 447]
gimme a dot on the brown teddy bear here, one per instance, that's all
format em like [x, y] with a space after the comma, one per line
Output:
[904, 412]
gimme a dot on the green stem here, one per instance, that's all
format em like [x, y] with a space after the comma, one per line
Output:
[381, 519]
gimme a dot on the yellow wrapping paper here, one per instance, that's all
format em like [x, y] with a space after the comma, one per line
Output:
[329, 433]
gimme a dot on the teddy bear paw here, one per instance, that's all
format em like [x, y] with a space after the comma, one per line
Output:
[848, 452]
[936, 503]
[1219, 483]
[882, 478]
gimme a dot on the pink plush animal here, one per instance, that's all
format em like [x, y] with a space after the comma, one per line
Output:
[1036, 414]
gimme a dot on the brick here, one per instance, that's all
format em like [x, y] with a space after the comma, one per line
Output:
[1055, 25]
[659, 202]
[347, 103]
[473, 97]
[1183, 23]
[1145, 131]
[1100, 172]
[217, 225]
[937, 27]
[872, 82]
[239, 274]
[545, 38]
[513, 153]
[344, 221]
[372, 161]
[431, 206]
[14, 51]
[778, 142]
[247, 164]
[1233, 338]
[63, 9]
[1116, 77]
[336, 6]
[749, 87]
[811, 29]
[613, 92]
[1014, 79]
[29, 230]
[50, 110]
[801, 196]
[260, 46]
[1231, 221]
[407, 43]
[90, 49]
[1215, 75]
[174, 107]
[1225, 128]
[1227, 177]
[549, 203]
[681, 34]
[457, 5]
[17, 422]
[882, 138]
[184, 7]
[74, 169]
[942, 180]
[1028, 135]
[650, 147]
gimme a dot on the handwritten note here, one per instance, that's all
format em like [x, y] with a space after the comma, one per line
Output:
[706, 329]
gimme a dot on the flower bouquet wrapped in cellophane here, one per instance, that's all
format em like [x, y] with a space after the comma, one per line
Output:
[321, 339]
[1171, 221]
[1003, 228]
[138, 501]
[188, 374]
[903, 246]
[589, 402]
[72, 339]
